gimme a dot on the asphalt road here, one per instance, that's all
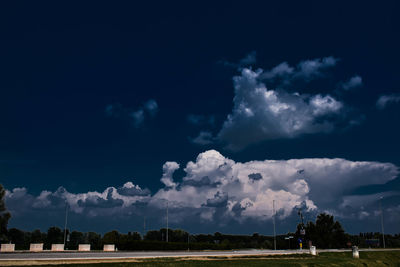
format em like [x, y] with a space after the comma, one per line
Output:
[74, 255]
[136, 254]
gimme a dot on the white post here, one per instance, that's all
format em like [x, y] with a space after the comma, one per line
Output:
[356, 254]
[313, 250]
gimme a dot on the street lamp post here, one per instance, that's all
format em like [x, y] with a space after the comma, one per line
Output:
[302, 230]
[144, 226]
[273, 208]
[383, 232]
[65, 225]
[167, 221]
[188, 241]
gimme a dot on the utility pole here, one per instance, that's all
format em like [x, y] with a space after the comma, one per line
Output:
[302, 230]
[167, 220]
[188, 242]
[383, 232]
[65, 225]
[144, 226]
[273, 208]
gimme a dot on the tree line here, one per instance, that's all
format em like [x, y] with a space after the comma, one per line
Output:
[325, 232]
[181, 240]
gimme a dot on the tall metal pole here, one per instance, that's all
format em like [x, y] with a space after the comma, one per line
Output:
[65, 225]
[273, 208]
[302, 230]
[383, 232]
[167, 220]
[144, 226]
[188, 242]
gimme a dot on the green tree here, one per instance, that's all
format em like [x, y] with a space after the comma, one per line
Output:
[93, 239]
[178, 235]
[38, 237]
[135, 236]
[54, 236]
[326, 233]
[16, 237]
[217, 237]
[111, 237]
[153, 235]
[4, 215]
[20, 238]
[75, 238]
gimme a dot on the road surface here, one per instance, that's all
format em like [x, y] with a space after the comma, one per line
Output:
[137, 254]
[26, 257]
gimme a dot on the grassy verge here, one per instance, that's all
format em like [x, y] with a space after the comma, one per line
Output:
[373, 258]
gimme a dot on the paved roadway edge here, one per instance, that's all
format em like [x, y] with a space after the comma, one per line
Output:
[127, 258]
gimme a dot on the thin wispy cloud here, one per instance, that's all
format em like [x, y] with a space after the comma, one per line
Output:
[282, 70]
[200, 120]
[136, 116]
[204, 138]
[151, 107]
[312, 68]
[385, 100]
[249, 59]
[305, 70]
[353, 82]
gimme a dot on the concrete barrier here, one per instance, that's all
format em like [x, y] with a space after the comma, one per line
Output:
[84, 247]
[7, 247]
[36, 247]
[356, 255]
[57, 247]
[313, 250]
[109, 248]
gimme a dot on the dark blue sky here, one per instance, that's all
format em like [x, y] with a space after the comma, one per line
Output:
[63, 65]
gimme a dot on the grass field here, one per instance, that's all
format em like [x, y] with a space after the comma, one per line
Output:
[373, 258]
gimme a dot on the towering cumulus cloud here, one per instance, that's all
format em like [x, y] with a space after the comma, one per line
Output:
[215, 184]
[277, 104]
[218, 189]
[260, 114]
[284, 102]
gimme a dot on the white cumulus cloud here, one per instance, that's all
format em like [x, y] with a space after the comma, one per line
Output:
[216, 185]
[268, 104]
[260, 113]
[216, 189]
[169, 168]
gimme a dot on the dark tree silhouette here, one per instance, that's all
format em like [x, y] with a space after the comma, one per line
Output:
[16, 237]
[38, 237]
[111, 237]
[54, 236]
[94, 240]
[4, 215]
[326, 233]
[76, 238]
